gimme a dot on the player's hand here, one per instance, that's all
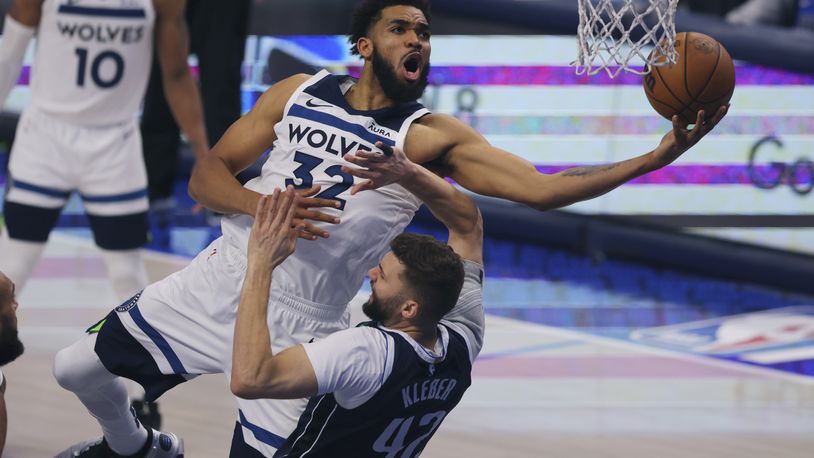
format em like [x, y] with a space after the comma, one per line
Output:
[681, 139]
[274, 234]
[379, 169]
[304, 213]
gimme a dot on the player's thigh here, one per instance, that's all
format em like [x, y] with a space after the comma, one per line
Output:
[181, 325]
[40, 177]
[114, 185]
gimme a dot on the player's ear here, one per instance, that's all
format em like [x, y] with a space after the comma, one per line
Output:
[365, 47]
[410, 309]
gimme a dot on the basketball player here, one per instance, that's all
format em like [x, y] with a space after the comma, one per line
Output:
[80, 131]
[10, 345]
[385, 386]
[182, 326]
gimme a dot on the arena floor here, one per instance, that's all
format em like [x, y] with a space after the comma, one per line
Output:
[538, 390]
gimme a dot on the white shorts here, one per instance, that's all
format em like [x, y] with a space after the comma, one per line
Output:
[51, 158]
[184, 327]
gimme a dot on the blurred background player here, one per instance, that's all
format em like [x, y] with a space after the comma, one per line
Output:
[10, 345]
[80, 132]
[217, 31]
[412, 361]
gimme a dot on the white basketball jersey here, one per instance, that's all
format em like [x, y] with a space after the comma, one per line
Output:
[318, 128]
[93, 59]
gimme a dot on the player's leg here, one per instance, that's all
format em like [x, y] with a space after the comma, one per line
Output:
[78, 369]
[174, 330]
[39, 185]
[114, 193]
[264, 424]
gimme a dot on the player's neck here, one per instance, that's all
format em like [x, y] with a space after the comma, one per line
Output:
[367, 94]
[426, 337]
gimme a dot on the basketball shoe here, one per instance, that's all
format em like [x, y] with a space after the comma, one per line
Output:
[159, 445]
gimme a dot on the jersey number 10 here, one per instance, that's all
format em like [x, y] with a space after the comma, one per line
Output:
[95, 68]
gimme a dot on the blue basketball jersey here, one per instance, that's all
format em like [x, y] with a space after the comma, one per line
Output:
[399, 419]
[317, 129]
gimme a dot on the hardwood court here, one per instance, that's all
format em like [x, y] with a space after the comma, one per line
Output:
[537, 391]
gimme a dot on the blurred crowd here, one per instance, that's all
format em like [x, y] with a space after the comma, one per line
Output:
[783, 13]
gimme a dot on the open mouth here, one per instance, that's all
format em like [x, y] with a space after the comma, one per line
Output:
[412, 67]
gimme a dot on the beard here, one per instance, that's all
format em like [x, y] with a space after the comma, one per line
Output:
[381, 310]
[396, 90]
[10, 345]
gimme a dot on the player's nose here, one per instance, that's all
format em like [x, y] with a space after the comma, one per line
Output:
[411, 39]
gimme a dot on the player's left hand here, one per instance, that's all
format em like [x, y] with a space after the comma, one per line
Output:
[681, 138]
[304, 213]
[379, 169]
[274, 237]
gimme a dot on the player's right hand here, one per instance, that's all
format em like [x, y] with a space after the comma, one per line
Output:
[304, 213]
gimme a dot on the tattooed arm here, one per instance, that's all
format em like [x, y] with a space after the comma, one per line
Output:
[452, 148]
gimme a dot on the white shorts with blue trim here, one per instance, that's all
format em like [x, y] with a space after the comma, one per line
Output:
[52, 158]
[186, 324]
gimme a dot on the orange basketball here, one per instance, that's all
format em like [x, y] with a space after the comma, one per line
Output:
[703, 78]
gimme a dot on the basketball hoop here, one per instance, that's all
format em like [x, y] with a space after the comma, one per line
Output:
[612, 33]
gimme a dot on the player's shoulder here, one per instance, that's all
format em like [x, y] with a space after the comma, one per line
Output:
[432, 135]
[438, 120]
[274, 99]
[443, 126]
[361, 335]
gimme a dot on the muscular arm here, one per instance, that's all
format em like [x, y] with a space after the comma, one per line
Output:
[452, 207]
[256, 371]
[172, 46]
[20, 24]
[482, 168]
[213, 181]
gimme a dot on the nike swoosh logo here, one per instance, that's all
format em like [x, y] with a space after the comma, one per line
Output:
[311, 104]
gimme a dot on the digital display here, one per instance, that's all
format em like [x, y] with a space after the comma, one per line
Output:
[751, 180]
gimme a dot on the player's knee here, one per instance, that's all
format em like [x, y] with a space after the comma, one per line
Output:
[123, 232]
[29, 223]
[74, 366]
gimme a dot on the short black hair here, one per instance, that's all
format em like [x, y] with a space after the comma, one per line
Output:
[432, 271]
[370, 11]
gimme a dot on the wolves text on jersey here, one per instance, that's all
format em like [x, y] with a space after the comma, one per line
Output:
[101, 33]
[319, 139]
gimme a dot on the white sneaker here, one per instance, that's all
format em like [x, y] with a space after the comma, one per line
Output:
[161, 445]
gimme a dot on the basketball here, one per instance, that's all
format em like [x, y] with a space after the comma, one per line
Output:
[703, 78]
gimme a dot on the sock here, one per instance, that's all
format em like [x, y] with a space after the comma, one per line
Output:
[18, 258]
[78, 369]
[126, 271]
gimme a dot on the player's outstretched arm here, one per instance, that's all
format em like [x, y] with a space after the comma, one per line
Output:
[452, 207]
[256, 371]
[183, 98]
[480, 167]
[20, 25]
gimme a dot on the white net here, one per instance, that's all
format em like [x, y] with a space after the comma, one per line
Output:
[615, 34]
